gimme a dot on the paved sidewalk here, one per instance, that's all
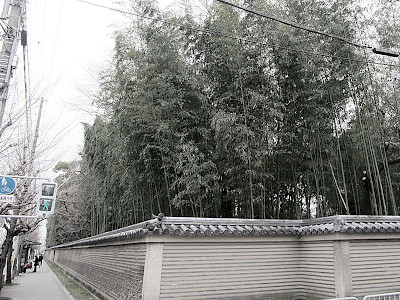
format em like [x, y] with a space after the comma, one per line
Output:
[42, 285]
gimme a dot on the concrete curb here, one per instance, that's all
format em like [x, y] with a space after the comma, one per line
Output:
[59, 282]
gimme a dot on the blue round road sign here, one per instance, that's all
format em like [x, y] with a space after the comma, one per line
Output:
[7, 185]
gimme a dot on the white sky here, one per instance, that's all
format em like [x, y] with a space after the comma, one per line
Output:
[68, 42]
[67, 39]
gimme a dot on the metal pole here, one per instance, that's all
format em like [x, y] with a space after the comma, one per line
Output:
[19, 216]
[26, 177]
[6, 8]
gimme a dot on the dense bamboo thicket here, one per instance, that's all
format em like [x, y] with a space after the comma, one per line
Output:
[225, 114]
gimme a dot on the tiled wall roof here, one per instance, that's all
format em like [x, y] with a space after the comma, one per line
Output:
[247, 227]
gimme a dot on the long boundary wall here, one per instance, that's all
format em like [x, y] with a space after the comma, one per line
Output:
[277, 268]
[112, 272]
[176, 266]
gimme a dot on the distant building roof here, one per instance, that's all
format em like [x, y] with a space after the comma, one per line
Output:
[184, 226]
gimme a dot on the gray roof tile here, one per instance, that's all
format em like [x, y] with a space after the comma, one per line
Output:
[161, 225]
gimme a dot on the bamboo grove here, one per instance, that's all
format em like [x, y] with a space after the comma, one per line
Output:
[225, 114]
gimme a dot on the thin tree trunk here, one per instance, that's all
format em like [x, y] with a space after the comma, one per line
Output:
[9, 264]
[166, 177]
[249, 165]
[5, 248]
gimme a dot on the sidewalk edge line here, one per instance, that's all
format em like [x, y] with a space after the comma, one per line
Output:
[62, 286]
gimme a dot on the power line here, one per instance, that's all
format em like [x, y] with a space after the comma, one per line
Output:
[113, 9]
[55, 38]
[240, 39]
[295, 25]
[333, 36]
[4, 26]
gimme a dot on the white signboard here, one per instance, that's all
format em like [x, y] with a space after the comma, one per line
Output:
[7, 198]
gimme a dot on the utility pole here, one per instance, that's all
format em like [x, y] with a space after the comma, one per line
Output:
[32, 153]
[13, 10]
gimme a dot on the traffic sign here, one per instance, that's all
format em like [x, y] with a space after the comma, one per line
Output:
[47, 198]
[7, 198]
[45, 205]
[48, 189]
[7, 185]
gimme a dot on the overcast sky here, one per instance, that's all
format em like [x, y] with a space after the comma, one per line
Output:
[68, 41]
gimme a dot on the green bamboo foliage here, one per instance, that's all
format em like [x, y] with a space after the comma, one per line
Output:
[235, 116]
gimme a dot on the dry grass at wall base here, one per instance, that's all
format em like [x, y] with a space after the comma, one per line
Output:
[77, 291]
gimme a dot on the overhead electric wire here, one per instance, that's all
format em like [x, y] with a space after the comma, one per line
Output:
[55, 39]
[28, 102]
[42, 36]
[3, 26]
[333, 36]
[240, 38]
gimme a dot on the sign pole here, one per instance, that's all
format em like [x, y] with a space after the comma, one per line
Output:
[20, 216]
[26, 177]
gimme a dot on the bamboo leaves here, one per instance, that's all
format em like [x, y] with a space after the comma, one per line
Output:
[234, 116]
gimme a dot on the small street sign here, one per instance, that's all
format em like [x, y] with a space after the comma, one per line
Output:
[7, 198]
[7, 185]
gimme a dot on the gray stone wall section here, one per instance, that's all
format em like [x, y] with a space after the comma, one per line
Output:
[317, 269]
[343, 277]
[152, 273]
[375, 266]
[115, 272]
[338, 256]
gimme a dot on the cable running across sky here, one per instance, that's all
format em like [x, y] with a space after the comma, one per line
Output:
[248, 40]
[333, 36]
[295, 25]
